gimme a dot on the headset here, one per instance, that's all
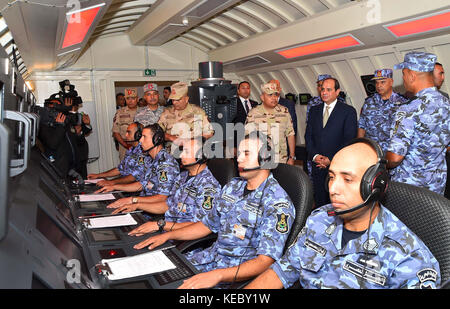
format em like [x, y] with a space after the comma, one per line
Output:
[157, 138]
[138, 133]
[200, 155]
[374, 182]
[265, 153]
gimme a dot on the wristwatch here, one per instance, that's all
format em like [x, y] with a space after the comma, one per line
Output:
[292, 157]
[161, 224]
[134, 200]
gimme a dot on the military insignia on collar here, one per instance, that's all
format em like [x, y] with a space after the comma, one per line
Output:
[426, 276]
[330, 229]
[163, 176]
[282, 223]
[208, 202]
[370, 245]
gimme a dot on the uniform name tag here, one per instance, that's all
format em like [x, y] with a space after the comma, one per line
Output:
[316, 247]
[229, 198]
[239, 231]
[364, 273]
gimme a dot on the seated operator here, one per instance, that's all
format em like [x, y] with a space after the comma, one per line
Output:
[354, 242]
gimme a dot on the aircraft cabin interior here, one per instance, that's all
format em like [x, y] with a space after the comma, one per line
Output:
[75, 66]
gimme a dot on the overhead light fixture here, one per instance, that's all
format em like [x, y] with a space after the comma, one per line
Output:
[322, 46]
[79, 23]
[420, 25]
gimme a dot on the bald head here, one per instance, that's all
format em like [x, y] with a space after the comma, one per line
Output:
[345, 174]
[357, 157]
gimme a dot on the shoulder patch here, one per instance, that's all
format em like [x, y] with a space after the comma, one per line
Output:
[282, 225]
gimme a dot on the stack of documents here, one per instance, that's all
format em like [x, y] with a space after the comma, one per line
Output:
[110, 221]
[95, 197]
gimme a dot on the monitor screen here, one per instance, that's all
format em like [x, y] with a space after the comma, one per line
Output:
[66, 245]
[59, 202]
[304, 98]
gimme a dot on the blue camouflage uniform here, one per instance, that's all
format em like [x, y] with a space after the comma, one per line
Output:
[392, 258]
[247, 226]
[160, 175]
[192, 198]
[421, 132]
[377, 115]
[134, 163]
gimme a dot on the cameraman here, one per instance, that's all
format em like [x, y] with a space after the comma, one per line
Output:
[63, 131]
[53, 133]
[78, 133]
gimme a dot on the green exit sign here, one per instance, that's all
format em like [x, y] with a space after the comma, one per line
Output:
[149, 72]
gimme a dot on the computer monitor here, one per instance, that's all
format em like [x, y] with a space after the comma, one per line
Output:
[304, 98]
[63, 242]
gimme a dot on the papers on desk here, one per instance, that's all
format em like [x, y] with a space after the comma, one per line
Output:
[109, 221]
[138, 265]
[96, 197]
[93, 181]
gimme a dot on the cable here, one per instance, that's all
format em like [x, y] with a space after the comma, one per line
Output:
[366, 250]
[251, 236]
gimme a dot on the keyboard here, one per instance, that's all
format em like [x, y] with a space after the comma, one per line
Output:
[182, 271]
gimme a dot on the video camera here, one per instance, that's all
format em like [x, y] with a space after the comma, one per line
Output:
[55, 104]
[68, 91]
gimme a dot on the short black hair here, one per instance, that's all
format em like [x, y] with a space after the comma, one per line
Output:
[119, 94]
[438, 63]
[168, 88]
[243, 82]
[336, 83]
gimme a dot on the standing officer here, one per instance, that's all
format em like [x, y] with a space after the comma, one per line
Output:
[275, 121]
[183, 120]
[150, 113]
[355, 242]
[133, 167]
[377, 114]
[439, 77]
[191, 198]
[123, 118]
[421, 132]
[160, 174]
[252, 216]
[290, 105]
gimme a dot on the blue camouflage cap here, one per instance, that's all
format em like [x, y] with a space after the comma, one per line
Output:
[323, 77]
[418, 61]
[382, 74]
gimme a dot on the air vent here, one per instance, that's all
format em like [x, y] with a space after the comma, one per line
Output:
[205, 8]
[244, 63]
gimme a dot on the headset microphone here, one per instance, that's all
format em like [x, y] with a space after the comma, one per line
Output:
[192, 164]
[370, 198]
[249, 169]
[150, 149]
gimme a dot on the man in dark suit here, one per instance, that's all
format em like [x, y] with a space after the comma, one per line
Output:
[290, 105]
[331, 125]
[243, 106]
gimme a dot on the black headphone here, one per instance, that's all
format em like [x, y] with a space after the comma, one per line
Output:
[200, 155]
[375, 180]
[265, 153]
[138, 133]
[158, 136]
